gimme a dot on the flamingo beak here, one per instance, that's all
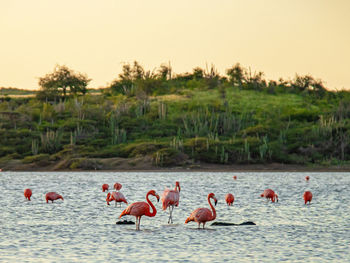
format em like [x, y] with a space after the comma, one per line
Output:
[216, 201]
[157, 197]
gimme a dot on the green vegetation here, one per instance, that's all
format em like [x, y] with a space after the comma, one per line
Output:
[178, 119]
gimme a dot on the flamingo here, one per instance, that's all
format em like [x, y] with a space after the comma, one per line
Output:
[105, 187]
[117, 186]
[307, 197]
[52, 196]
[27, 193]
[270, 194]
[229, 199]
[202, 215]
[307, 178]
[139, 209]
[117, 197]
[170, 198]
[235, 177]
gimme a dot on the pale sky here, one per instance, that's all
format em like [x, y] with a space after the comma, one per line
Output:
[278, 37]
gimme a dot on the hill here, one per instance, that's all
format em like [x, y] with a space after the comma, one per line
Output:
[184, 121]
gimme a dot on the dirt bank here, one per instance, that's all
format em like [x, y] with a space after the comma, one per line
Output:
[145, 164]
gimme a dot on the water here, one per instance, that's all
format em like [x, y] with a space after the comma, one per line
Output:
[82, 227]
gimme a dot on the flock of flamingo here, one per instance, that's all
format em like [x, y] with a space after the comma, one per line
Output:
[170, 199]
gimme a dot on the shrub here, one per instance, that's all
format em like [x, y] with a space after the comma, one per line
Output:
[168, 157]
[40, 159]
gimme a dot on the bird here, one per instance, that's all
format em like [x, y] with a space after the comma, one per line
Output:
[235, 177]
[117, 197]
[105, 187]
[139, 209]
[170, 198]
[117, 186]
[203, 215]
[229, 199]
[52, 196]
[307, 178]
[27, 193]
[270, 194]
[307, 197]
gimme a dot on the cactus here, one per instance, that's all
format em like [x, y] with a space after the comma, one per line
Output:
[35, 147]
[162, 110]
[51, 141]
[247, 150]
[73, 138]
[177, 143]
[158, 160]
[264, 149]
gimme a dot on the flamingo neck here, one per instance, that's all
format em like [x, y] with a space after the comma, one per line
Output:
[154, 210]
[212, 208]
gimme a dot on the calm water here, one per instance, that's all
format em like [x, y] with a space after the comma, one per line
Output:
[82, 228]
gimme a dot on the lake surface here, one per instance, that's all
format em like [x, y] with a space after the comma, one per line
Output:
[82, 228]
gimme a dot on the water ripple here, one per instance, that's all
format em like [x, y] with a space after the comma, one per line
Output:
[82, 227]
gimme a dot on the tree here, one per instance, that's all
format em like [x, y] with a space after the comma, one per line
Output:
[63, 81]
[236, 75]
[308, 84]
[165, 71]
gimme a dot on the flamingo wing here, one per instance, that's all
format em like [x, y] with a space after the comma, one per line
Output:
[165, 193]
[170, 197]
[200, 215]
[114, 195]
[136, 209]
[120, 197]
[268, 193]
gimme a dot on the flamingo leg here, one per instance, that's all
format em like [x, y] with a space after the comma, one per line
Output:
[171, 213]
[136, 222]
[203, 224]
[115, 205]
[171, 208]
[139, 222]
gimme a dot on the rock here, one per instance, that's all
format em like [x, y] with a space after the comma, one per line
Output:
[248, 223]
[125, 222]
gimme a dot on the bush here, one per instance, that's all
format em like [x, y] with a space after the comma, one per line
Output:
[40, 159]
[141, 149]
[168, 157]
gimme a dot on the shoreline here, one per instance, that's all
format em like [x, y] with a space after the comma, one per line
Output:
[203, 167]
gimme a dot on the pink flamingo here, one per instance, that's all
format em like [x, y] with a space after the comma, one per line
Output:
[229, 199]
[307, 197]
[117, 186]
[307, 178]
[235, 177]
[105, 187]
[117, 197]
[170, 198]
[203, 215]
[27, 193]
[139, 209]
[270, 194]
[52, 196]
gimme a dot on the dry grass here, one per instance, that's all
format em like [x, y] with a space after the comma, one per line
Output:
[171, 97]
